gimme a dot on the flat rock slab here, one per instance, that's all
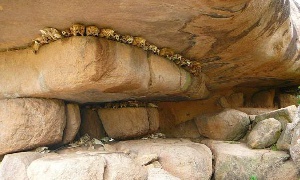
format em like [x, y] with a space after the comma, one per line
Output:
[89, 69]
[28, 123]
[181, 158]
[237, 161]
[67, 166]
[14, 166]
[126, 123]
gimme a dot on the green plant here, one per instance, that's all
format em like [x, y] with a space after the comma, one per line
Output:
[274, 147]
[298, 95]
[253, 177]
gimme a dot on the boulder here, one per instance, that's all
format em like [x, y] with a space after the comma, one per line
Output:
[284, 115]
[91, 124]
[124, 123]
[288, 118]
[264, 134]
[287, 100]
[235, 100]
[28, 123]
[89, 69]
[181, 158]
[237, 161]
[263, 99]
[229, 124]
[72, 123]
[14, 166]
[67, 166]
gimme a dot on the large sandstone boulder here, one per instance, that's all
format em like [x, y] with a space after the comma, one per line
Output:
[181, 158]
[237, 161]
[264, 134]
[28, 123]
[89, 69]
[229, 124]
[14, 166]
[124, 123]
[70, 166]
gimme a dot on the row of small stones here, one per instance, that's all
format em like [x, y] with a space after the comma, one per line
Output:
[52, 34]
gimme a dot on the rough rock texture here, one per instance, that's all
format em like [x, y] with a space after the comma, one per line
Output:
[288, 118]
[183, 130]
[120, 166]
[158, 173]
[124, 123]
[181, 158]
[287, 170]
[28, 123]
[264, 134]
[88, 69]
[237, 161]
[284, 115]
[295, 154]
[166, 77]
[256, 111]
[229, 124]
[295, 146]
[14, 166]
[235, 100]
[72, 123]
[287, 100]
[91, 124]
[71, 166]
[250, 43]
[263, 99]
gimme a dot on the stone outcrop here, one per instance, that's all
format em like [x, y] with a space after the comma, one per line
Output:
[229, 124]
[237, 161]
[264, 134]
[126, 123]
[216, 34]
[29, 123]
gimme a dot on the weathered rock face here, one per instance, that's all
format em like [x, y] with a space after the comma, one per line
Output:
[287, 100]
[72, 166]
[124, 123]
[89, 69]
[181, 158]
[264, 134]
[263, 99]
[237, 161]
[15, 165]
[28, 123]
[227, 125]
[216, 33]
